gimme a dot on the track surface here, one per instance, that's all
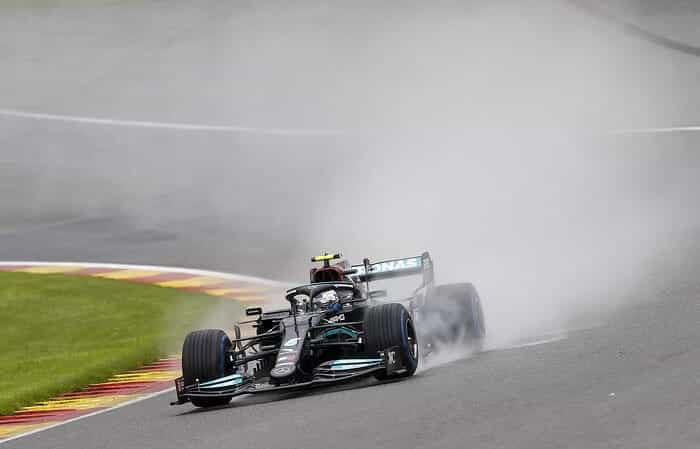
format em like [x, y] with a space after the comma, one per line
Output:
[627, 385]
[98, 194]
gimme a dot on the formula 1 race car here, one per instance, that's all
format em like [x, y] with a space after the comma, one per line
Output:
[335, 329]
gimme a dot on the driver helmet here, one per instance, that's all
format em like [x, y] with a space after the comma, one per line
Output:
[327, 299]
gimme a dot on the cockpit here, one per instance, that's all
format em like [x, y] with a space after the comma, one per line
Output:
[322, 296]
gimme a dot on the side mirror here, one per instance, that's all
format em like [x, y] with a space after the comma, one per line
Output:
[253, 311]
[378, 294]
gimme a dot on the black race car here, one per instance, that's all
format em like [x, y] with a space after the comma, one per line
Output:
[335, 329]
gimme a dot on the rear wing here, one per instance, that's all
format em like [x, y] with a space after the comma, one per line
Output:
[394, 268]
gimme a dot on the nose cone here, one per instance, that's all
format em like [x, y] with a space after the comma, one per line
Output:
[288, 356]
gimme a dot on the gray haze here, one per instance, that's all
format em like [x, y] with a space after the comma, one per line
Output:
[476, 130]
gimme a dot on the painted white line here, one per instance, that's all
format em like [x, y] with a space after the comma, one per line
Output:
[46, 225]
[668, 130]
[256, 130]
[525, 343]
[124, 404]
[542, 341]
[116, 266]
[170, 125]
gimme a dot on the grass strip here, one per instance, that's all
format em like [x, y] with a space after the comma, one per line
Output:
[60, 333]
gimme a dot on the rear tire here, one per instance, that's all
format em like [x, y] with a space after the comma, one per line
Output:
[459, 311]
[203, 359]
[387, 326]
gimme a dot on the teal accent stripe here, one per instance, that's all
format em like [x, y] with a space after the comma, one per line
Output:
[230, 383]
[235, 378]
[353, 361]
[340, 330]
[342, 367]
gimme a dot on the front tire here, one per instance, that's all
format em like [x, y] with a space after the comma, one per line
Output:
[204, 358]
[387, 326]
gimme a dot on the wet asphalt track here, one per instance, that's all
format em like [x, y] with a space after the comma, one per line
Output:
[629, 383]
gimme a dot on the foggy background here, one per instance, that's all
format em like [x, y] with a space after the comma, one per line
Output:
[480, 131]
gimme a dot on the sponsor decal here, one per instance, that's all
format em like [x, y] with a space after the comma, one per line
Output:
[287, 358]
[335, 319]
[282, 370]
[391, 265]
[392, 358]
[291, 342]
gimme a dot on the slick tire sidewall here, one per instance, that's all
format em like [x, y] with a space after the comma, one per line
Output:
[203, 359]
[385, 327]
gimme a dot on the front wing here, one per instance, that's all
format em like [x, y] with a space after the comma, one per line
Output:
[331, 372]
